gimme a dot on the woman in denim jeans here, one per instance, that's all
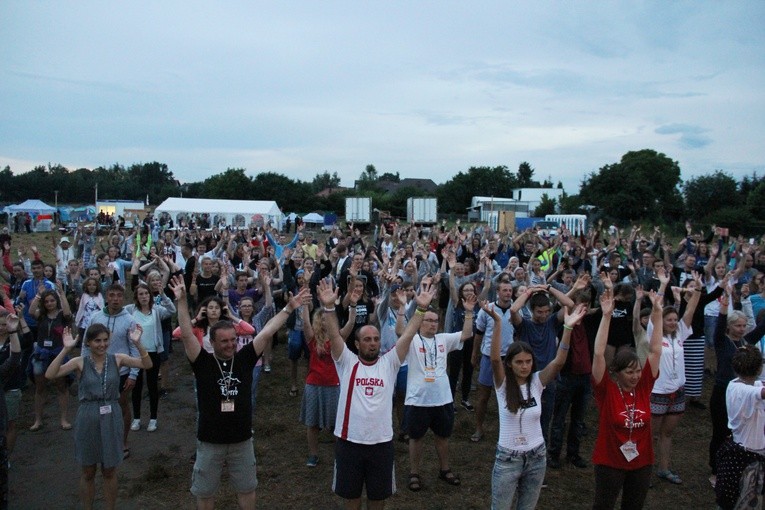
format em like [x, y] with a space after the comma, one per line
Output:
[521, 456]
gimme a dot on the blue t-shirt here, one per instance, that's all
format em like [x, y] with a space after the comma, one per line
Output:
[542, 338]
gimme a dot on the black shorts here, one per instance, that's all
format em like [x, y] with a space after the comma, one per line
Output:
[357, 465]
[439, 419]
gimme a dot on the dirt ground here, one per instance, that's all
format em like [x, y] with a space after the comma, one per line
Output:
[157, 475]
[44, 475]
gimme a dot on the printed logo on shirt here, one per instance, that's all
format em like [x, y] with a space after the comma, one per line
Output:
[228, 385]
[633, 416]
[369, 391]
[421, 349]
[440, 348]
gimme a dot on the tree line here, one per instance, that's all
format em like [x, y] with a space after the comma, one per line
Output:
[643, 186]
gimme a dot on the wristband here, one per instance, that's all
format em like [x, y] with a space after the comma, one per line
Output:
[285, 310]
[568, 328]
[468, 316]
[328, 310]
[563, 347]
[419, 312]
[660, 294]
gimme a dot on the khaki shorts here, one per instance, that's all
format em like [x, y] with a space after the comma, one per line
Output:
[240, 459]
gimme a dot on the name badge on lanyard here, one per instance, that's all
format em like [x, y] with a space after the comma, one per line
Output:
[227, 406]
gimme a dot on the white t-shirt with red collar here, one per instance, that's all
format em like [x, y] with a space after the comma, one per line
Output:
[365, 408]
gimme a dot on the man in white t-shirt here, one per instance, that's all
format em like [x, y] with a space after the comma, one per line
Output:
[429, 402]
[364, 429]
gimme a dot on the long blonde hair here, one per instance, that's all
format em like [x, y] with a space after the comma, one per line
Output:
[319, 333]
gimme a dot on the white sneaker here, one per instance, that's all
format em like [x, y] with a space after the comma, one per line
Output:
[152, 426]
[136, 425]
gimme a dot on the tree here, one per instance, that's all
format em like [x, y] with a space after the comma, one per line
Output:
[232, 184]
[387, 176]
[290, 195]
[368, 179]
[525, 175]
[708, 193]
[643, 185]
[546, 206]
[454, 195]
[324, 181]
[755, 202]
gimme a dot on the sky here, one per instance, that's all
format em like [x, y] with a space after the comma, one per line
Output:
[426, 89]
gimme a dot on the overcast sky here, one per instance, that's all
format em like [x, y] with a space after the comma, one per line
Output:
[426, 89]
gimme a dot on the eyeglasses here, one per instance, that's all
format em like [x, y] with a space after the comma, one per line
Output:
[430, 320]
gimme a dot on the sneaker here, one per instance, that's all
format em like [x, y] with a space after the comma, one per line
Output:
[312, 461]
[467, 406]
[267, 368]
[577, 461]
[152, 426]
[136, 425]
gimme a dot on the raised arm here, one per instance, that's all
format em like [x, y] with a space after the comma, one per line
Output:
[601, 338]
[551, 371]
[190, 342]
[654, 351]
[495, 354]
[327, 296]
[55, 369]
[690, 308]
[277, 321]
[425, 295]
[125, 360]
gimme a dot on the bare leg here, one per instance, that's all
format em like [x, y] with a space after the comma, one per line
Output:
[267, 351]
[376, 505]
[312, 434]
[110, 487]
[246, 501]
[353, 504]
[293, 374]
[665, 439]
[484, 392]
[63, 401]
[205, 503]
[415, 455]
[442, 450]
[40, 387]
[127, 415]
[88, 486]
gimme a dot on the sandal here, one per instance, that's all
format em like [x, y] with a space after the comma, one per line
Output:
[35, 427]
[477, 436]
[447, 476]
[415, 484]
[293, 392]
[669, 476]
[125, 453]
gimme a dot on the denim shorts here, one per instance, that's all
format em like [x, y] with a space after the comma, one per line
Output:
[296, 345]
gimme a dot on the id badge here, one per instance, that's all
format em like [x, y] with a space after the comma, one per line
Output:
[520, 440]
[430, 374]
[105, 409]
[227, 406]
[47, 343]
[629, 450]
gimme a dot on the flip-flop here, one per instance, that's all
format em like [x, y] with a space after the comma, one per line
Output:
[35, 427]
[477, 436]
[125, 453]
[669, 476]
[68, 426]
[293, 393]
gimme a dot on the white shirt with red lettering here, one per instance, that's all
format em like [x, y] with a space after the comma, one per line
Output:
[365, 408]
[427, 383]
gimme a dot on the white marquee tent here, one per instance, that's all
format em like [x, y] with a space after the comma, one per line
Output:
[236, 213]
[31, 206]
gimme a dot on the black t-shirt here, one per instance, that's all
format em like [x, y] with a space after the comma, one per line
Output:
[206, 287]
[216, 426]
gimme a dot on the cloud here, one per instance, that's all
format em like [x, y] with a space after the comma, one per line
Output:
[691, 137]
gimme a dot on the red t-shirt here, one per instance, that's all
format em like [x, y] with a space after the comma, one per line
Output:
[614, 418]
[321, 368]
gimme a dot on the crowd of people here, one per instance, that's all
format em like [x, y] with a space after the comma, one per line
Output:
[397, 326]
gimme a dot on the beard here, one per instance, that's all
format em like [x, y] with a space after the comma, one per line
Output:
[369, 356]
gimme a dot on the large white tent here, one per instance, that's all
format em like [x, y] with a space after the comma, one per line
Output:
[237, 213]
[31, 206]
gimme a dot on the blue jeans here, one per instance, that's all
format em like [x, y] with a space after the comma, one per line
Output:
[255, 379]
[710, 323]
[521, 472]
[573, 392]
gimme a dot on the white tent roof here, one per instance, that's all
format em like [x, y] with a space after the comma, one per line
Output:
[210, 206]
[313, 218]
[31, 205]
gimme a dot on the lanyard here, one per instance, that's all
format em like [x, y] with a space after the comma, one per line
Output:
[630, 412]
[103, 374]
[425, 352]
[226, 381]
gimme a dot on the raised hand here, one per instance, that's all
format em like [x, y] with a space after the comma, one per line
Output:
[426, 294]
[326, 294]
[13, 322]
[663, 276]
[178, 287]
[576, 316]
[67, 338]
[469, 302]
[488, 307]
[607, 302]
[135, 334]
